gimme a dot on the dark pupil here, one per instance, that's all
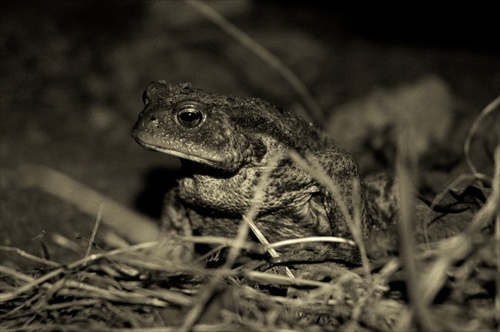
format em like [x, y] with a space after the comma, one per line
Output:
[189, 113]
[189, 117]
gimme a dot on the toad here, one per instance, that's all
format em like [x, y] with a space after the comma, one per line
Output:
[225, 144]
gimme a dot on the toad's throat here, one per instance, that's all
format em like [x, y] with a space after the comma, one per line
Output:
[192, 169]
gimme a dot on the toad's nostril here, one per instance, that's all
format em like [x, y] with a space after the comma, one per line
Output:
[145, 98]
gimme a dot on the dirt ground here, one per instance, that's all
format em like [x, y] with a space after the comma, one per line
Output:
[72, 76]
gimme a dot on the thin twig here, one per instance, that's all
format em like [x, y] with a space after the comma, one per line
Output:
[331, 239]
[24, 254]
[94, 230]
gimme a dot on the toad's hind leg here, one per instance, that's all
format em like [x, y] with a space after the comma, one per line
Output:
[342, 169]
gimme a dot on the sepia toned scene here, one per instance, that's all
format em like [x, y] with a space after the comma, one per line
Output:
[245, 165]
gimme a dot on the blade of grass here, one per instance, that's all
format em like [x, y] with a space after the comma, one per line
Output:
[273, 61]
[94, 230]
[202, 299]
[406, 170]
[131, 225]
[474, 128]
[354, 222]
[496, 184]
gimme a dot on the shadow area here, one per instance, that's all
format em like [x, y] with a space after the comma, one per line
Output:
[157, 182]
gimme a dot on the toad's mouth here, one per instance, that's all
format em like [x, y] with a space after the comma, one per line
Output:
[199, 159]
[195, 164]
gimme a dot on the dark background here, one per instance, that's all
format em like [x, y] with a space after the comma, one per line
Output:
[72, 75]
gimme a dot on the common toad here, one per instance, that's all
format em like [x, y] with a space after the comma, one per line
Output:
[224, 144]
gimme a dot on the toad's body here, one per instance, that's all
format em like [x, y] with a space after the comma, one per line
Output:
[224, 144]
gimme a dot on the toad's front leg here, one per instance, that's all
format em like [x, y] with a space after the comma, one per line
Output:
[174, 223]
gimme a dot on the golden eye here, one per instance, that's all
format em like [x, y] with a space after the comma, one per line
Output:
[189, 113]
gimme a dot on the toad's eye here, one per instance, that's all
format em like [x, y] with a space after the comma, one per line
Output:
[145, 99]
[190, 113]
